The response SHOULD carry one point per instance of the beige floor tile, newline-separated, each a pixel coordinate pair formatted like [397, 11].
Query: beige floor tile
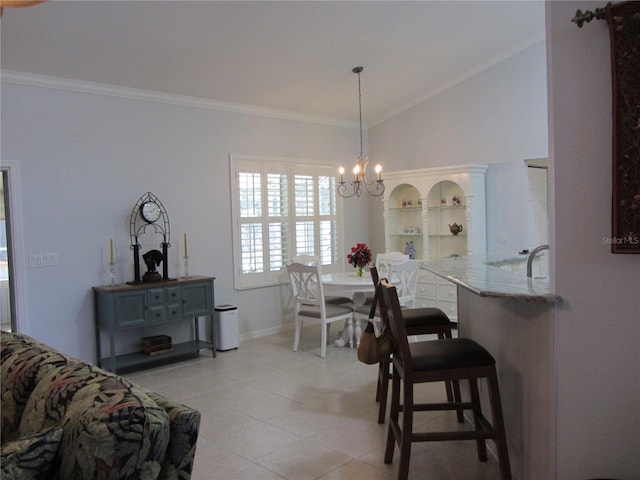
[269, 413]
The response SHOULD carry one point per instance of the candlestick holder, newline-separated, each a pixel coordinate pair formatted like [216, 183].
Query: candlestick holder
[186, 267]
[112, 273]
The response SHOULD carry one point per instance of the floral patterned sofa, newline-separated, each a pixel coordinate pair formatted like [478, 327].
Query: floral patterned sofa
[65, 419]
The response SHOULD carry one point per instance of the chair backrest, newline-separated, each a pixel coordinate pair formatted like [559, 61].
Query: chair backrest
[405, 278]
[306, 286]
[391, 315]
[307, 260]
[383, 260]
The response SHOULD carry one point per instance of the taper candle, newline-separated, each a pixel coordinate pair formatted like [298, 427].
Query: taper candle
[110, 250]
[185, 246]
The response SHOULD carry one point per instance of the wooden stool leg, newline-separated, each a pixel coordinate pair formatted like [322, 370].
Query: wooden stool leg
[477, 413]
[498, 424]
[407, 430]
[384, 389]
[458, 398]
[379, 385]
[393, 435]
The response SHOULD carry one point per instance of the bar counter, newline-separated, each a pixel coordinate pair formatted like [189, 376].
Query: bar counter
[480, 276]
[513, 317]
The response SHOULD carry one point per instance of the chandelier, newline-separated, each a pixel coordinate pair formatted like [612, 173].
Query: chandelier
[17, 3]
[360, 169]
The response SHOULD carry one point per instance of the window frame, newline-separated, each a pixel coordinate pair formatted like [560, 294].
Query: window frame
[289, 167]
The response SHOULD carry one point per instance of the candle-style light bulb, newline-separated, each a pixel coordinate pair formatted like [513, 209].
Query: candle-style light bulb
[378, 170]
[341, 170]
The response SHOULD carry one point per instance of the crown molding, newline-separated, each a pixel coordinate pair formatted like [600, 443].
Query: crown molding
[93, 88]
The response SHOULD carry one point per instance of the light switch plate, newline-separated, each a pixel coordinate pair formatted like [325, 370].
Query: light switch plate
[36, 260]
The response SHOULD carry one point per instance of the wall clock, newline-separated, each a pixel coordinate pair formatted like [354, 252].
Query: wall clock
[150, 211]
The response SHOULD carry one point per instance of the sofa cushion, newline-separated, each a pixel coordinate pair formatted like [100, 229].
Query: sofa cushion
[31, 458]
[23, 363]
[112, 429]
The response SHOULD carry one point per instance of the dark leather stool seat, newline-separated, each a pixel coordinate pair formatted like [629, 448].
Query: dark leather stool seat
[449, 353]
[448, 360]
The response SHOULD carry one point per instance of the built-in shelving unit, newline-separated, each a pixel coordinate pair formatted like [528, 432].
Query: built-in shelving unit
[424, 206]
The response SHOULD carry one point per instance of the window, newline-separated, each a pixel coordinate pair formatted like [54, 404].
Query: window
[281, 208]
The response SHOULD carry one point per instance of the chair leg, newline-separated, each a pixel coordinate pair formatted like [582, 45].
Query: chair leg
[296, 334]
[498, 425]
[407, 430]
[481, 444]
[394, 426]
[458, 398]
[379, 385]
[325, 335]
[383, 384]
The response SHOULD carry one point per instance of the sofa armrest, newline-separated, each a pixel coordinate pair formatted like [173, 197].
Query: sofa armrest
[184, 423]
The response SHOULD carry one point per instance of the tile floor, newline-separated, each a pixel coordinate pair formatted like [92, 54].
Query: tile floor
[269, 413]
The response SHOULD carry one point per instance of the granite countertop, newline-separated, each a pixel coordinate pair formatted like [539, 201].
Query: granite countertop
[475, 274]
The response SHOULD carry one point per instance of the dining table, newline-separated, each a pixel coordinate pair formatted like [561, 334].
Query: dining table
[355, 286]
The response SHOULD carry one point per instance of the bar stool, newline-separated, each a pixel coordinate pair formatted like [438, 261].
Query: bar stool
[451, 359]
[418, 321]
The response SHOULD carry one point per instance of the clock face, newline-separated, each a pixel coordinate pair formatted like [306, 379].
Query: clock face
[150, 211]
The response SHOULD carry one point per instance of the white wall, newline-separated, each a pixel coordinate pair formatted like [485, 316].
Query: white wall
[81, 161]
[498, 117]
[598, 324]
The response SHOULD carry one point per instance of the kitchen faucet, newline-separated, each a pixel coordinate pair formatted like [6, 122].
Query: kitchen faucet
[533, 253]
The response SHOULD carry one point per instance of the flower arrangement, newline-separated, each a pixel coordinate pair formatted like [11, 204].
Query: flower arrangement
[360, 256]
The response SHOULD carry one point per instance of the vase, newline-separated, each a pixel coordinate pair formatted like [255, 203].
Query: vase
[360, 271]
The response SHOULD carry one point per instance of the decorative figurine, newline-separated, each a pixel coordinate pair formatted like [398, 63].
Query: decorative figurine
[410, 250]
[153, 259]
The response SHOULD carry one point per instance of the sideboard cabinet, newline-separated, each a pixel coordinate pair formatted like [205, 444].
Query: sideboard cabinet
[125, 306]
[440, 212]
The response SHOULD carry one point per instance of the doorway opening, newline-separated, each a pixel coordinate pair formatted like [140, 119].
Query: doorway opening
[7, 294]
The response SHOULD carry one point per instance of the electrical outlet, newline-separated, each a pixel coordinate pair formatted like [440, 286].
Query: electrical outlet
[36, 261]
[50, 259]
[503, 237]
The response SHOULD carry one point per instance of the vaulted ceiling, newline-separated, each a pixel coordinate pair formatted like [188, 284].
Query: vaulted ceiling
[293, 56]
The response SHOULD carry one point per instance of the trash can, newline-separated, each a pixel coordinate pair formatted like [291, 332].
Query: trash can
[226, 327]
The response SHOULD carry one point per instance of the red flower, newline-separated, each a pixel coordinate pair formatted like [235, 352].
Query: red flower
[360, 255]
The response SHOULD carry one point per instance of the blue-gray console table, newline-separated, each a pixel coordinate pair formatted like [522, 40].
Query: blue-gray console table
[130, 306]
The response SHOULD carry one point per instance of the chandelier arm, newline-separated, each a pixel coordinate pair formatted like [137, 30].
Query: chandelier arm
[342, 188]
[380, 188]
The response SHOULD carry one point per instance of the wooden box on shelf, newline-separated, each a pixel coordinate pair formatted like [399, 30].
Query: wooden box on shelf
[156, 344]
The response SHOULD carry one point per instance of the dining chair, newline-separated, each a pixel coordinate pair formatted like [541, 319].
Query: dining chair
[404, 274]
[418, 321]
[383, 260]
[310, 304]
[315, 260]
[451, 359]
